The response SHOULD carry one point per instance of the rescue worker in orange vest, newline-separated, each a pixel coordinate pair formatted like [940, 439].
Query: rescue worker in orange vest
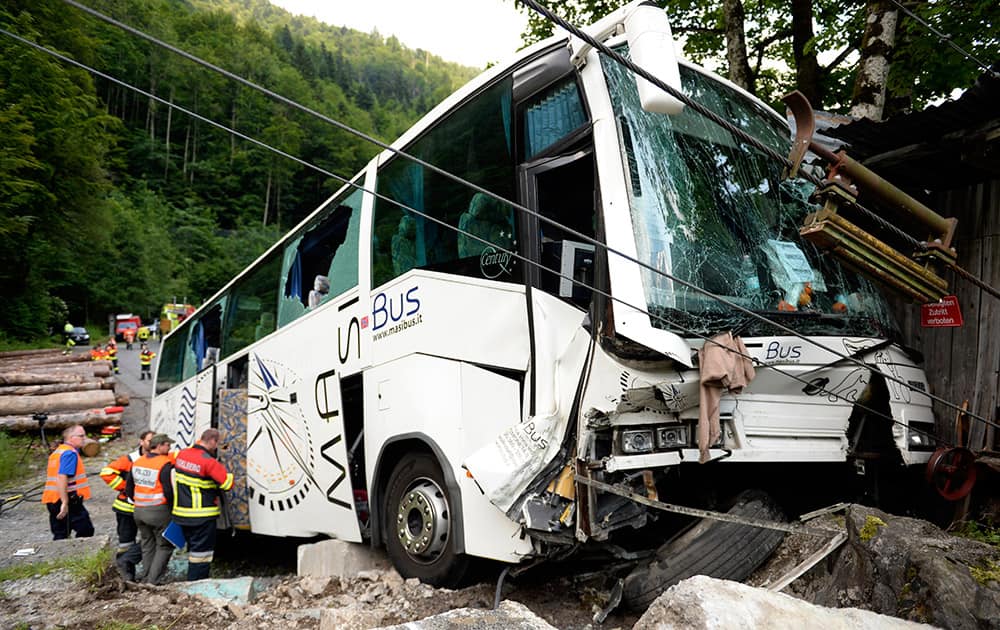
[66, 487]
[145, 362]
[116, 474]
[199, 480]
[129, 336]
[97, 353]
[152, 494]
[113, 354]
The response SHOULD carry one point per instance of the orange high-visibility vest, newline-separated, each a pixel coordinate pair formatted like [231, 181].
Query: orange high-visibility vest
[146, 477]
[77, 483]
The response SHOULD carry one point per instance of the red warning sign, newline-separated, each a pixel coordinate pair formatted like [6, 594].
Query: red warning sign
[941, 314]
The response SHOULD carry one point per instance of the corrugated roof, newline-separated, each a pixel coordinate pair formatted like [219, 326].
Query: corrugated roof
[939, 148]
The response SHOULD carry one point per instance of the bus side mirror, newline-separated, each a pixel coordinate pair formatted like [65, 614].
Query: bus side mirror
[651, 47]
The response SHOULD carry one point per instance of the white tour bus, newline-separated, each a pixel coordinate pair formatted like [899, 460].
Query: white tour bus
[436, 395]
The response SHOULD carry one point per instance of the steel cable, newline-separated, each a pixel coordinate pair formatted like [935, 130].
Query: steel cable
[519, 207]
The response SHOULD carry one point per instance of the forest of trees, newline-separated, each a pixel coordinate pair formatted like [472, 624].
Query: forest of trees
[113, 202]
[866, 58]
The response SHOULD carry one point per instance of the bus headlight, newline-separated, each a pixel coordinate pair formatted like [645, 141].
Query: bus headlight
[637, 441]
[671, 437]
[920, 436]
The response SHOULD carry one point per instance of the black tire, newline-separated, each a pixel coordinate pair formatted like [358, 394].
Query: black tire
[714, 548]
[419, 524]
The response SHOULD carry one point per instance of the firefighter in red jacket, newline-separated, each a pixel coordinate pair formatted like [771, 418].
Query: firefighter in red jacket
[116, 474]
[145, 362]
[199, 480]
[113, 354]
[66, 487]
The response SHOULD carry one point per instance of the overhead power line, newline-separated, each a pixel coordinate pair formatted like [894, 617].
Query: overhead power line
[948, 40]
[756, 362]
[528, 211]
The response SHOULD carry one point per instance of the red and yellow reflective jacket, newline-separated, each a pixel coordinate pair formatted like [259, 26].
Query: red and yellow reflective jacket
[199, 479]
[116, 475]
[77, 483]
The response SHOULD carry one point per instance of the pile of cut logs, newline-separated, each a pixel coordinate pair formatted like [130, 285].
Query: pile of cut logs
[69, 389]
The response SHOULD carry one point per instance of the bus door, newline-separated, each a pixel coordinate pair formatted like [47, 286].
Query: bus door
[560, 188]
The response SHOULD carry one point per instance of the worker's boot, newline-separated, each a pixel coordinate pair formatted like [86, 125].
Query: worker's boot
[125, 562]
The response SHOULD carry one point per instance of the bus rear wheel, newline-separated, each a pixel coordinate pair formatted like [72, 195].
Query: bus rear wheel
[420, 536]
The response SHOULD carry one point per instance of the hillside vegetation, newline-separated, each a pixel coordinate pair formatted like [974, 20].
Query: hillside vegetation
[112, 202]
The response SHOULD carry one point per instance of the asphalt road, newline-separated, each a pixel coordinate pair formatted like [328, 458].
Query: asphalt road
[135, 419]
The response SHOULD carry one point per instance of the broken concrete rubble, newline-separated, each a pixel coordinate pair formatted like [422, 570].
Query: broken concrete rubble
[706, 603]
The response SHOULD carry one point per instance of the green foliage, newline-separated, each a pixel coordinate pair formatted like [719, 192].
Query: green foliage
[111, 201]
[923, 68]
[89, 569]
[10, 451]
[981, 532]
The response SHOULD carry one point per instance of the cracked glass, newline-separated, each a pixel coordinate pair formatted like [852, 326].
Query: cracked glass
[714, 212]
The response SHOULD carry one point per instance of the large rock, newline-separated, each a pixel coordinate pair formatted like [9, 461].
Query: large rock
[911, 569]
[706, 603]
[509, 615]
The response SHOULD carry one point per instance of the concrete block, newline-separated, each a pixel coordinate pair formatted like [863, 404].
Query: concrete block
[241, 590]
[510, 615]
[336, 558]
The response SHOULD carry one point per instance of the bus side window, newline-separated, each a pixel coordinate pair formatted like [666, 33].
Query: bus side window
[252, 308]
[475, 143]
[323, 262]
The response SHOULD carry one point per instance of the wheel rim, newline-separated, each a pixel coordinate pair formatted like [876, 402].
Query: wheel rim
[422, 525]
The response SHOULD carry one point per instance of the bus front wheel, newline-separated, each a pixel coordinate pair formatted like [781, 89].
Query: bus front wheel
[419, 523]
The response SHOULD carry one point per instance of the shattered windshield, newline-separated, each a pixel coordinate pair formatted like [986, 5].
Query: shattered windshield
[716, 213]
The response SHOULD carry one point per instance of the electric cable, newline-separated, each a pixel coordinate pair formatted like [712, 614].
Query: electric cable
[746, 137]
[756, 362]
[523, 209]
[492, 195]
[948, 40]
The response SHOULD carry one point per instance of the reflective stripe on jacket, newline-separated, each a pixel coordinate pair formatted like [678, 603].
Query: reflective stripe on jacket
[146, 357]
[148, 480]
[116, 475]
[198, 481]
[77, 484]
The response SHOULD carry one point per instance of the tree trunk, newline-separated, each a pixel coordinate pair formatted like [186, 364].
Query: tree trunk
[868, 100]
[166, 136]
[267, 197]
[55, 388]
[807, 73]
[736, 45]
[31, 353]
[60, 421]
[51, 403]
[45, 378]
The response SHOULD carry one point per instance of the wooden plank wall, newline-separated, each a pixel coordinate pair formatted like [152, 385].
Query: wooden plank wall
[964, 363]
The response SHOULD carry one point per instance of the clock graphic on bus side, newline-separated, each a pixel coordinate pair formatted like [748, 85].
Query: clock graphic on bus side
[280, 459]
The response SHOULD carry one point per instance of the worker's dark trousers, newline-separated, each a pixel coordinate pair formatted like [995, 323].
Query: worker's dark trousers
[77, 520]
[201, 547]
[128, 552]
